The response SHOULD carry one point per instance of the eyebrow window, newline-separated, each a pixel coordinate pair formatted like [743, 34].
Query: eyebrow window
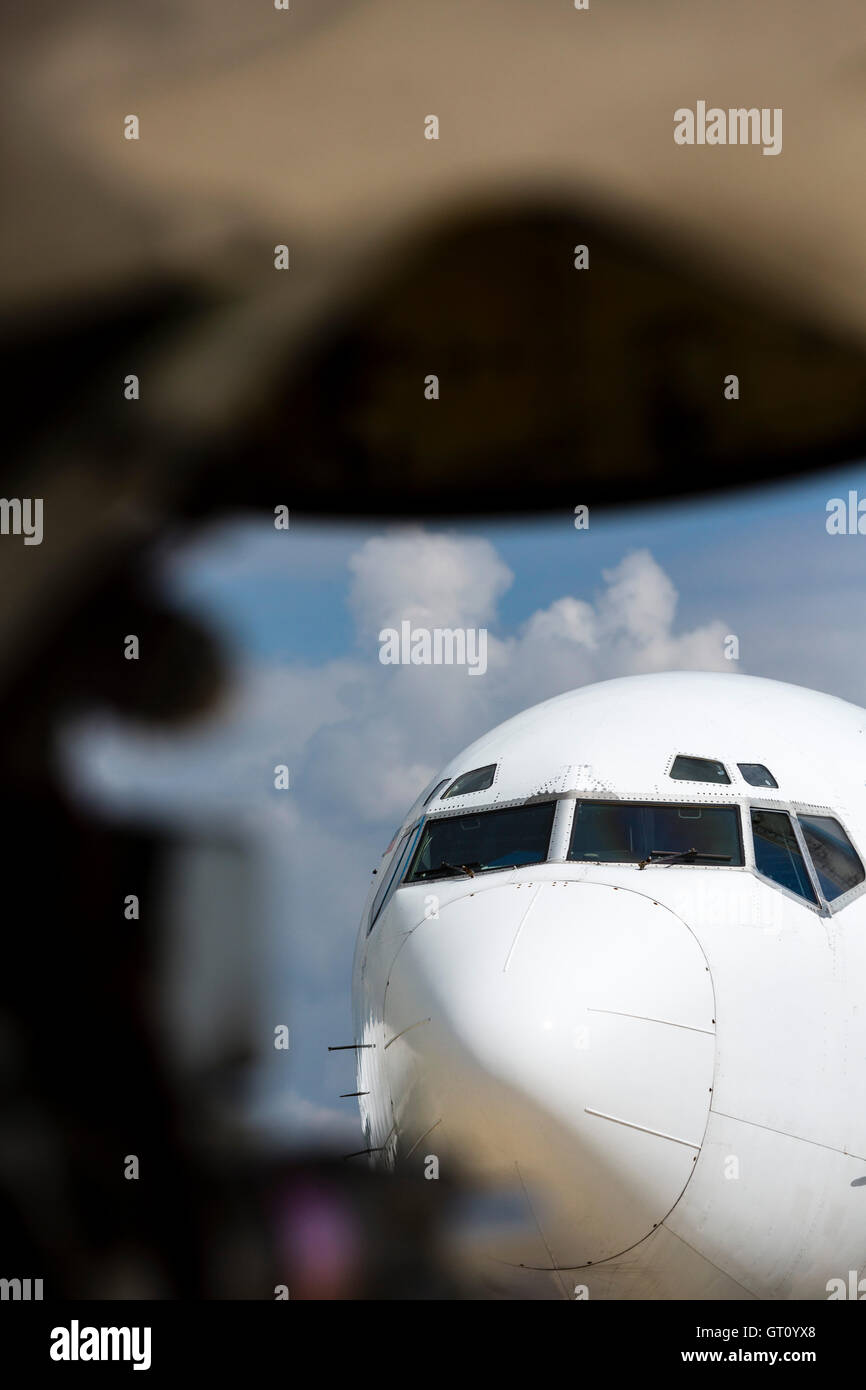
[614, 832]
[757, 775]
[478, 780]
[777, 853]
[698, 770]
[835, 859]
[435, 792]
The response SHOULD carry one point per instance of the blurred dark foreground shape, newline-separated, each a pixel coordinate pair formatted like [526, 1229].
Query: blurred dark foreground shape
[557, 387]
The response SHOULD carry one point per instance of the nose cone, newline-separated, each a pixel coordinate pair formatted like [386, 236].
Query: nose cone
[561, 1035]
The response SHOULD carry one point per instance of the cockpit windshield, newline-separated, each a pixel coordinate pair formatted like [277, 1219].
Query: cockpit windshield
[458, 846]
[616, 832]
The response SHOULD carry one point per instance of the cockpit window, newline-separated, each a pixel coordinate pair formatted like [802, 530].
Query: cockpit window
[698, 770]
[834, 857]
[777, 853]
[435, 792]
[478, 780]
[392, 874]
[757, 775]
[616, 832]
[474, 844]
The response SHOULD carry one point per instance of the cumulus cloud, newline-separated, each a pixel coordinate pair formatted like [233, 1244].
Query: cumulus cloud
[431, 580]
[640, 599]
[626, 629]
[360, 737]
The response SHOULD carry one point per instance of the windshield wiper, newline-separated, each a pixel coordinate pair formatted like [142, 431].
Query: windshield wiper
[673, 856]
[444, 868]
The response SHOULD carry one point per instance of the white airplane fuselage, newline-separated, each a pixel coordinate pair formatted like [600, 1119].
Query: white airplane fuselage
[657, 1051]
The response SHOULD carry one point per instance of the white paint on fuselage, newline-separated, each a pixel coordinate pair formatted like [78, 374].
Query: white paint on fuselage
[617, 1042]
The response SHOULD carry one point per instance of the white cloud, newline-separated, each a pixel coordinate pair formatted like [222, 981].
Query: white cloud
[431, 580]
[640, 599]
[567, 620]
[361, 739]
[626, 630]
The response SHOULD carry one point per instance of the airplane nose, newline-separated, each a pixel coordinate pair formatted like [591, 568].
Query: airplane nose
[562, 1032]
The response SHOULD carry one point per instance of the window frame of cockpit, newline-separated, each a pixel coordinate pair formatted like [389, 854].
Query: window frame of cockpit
[447, 813]
[404, 848]
[819, 906]
[411, 833]
[834, 904]
[794, 809]
[563, 818]
[745, 803]
[707, 801]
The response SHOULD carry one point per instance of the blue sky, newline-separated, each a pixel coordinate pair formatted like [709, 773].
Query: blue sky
[299, 612]
[735, 551]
